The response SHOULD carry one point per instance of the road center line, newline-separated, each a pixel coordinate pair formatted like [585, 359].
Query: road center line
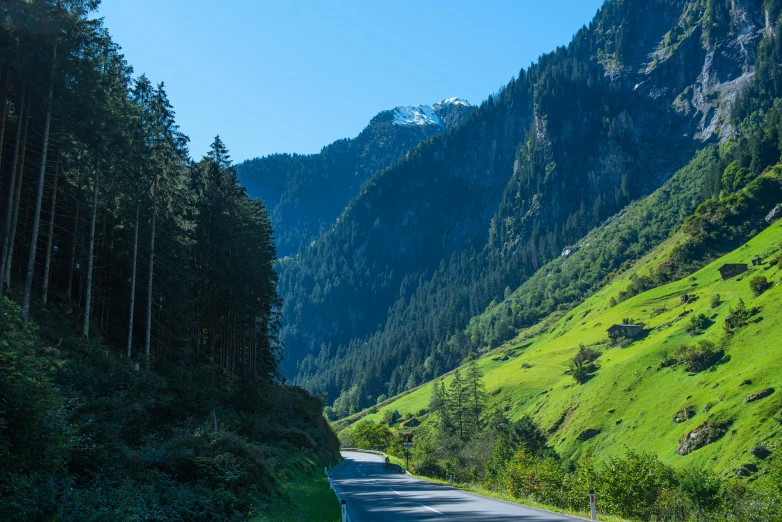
[398, 493]
[433, 510]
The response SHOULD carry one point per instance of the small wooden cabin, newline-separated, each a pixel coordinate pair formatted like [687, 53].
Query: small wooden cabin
[730, 270]
[625, 330]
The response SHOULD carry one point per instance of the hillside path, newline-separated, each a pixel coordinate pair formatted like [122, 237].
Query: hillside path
[374, 494]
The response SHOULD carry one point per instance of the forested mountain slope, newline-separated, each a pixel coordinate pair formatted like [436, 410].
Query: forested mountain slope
[138, 327]
[376, 305]
[693, 399]
[306, 193]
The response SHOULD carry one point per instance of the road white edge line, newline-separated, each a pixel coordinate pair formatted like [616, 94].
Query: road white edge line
[433, 510]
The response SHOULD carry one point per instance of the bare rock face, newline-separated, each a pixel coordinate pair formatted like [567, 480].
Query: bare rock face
[685, 414]
[706, 433]
[760, 394]
[775, 214]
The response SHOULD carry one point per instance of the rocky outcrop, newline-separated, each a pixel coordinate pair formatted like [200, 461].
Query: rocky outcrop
[685, 414]
[708, 432]
[775, 214]
[760, 394]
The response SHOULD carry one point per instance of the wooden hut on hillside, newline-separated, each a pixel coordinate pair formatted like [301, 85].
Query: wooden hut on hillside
[730, 270]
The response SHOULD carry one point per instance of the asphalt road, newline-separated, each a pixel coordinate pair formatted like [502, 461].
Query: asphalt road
[376, 495]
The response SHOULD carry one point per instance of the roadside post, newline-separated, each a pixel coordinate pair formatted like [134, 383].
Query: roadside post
[331, 484]
[592, 504]
[344, 507]
[451, 480]
[407, 443]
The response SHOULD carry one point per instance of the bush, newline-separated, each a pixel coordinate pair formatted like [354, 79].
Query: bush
[739, 316]
[715, 300]
[528, 476]
[698, 323]
[700, 489]
[35, 437]
[372, 436]
[631, 485]
[390, 417]
[583, 365]
[759, 284]
[698, 358]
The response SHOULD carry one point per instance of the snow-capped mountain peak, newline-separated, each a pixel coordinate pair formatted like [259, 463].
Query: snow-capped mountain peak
[451, 101]
[426, 114]
[416, 115]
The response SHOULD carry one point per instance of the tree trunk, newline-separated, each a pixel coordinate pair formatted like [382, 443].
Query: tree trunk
[17, 200]
[4, 115]
[73, 250]
[9, 212]
[85, 331]
[50, 243]
[28, 285]
[148, 338]
[133, 282]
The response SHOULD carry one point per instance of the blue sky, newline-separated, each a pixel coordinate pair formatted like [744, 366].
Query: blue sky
[294, 76]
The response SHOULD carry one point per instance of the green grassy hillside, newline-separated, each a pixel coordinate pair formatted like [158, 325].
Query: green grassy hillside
[632, 399]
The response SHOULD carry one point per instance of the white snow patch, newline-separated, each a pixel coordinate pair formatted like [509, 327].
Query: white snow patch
[416, 115]
[451, 101]
[425, 114]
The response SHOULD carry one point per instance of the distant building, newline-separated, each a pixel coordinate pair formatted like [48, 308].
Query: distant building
[625, 330]
[732, 270]
[756, 261]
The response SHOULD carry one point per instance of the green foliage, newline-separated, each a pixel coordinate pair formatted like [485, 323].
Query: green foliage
[373, 436]
[739, 316]
[540, 479]
[390, 417]
[721, 225]
[700, 489]
[631, 485]
[86, 437]
[35, 436]
[716, 300]
[759, 284]
[698, 323]
[584, 365]
[697, 358]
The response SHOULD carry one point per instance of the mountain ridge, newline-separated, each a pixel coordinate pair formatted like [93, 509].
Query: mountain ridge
[561, 148]
[306, 192]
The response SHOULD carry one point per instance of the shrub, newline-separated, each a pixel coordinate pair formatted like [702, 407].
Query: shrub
[700, 489]
[390, 417]
[528, 476]
[372, 436]
[759, 284]
[698, 323]
[583, 365]
[697, 358]
[631, 485]
[739, 316]
[715, 300]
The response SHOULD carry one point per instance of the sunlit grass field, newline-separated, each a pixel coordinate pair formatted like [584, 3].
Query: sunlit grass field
[630, 399]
